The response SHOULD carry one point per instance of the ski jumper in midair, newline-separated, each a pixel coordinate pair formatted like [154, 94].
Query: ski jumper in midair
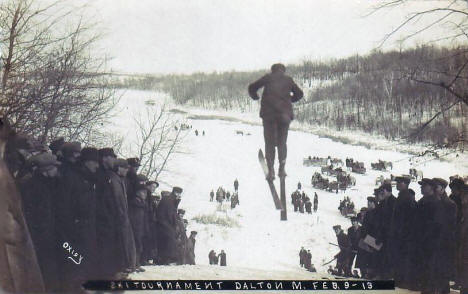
[279, 92]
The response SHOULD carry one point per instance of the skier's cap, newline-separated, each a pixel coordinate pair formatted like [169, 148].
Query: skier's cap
[89, 154]
[152, 182]
[141, 177]
[181, 211]
[457, 183]
[386, 186]
[336, 227]
[177, 190]
[403, 178]
[440, 182]
[68, 148]
[133, 162]
[55, 145]
[120, 162]
[426, 181]
[371, 199]
[107, 152]
[44, 160]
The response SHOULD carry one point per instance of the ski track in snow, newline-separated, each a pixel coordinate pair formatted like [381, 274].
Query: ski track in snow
[262, 244]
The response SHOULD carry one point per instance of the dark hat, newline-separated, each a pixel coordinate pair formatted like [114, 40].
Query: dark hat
[120, 162]
[106, 152]
[353, 219]
[440, 181]
[336, 227]
[457, 183]
[386, 186]
[152, 182]
[403, 178]
[165, 193]
[89, 154]
[371, 199]
[133, 162]
[426, 181]
[141, 177]
[193, 232]
[180, 210]
[68, 148]
[56, 144]
[278, 66]
[44, 160]
[378, 190]
[363, 209]
[177, 190]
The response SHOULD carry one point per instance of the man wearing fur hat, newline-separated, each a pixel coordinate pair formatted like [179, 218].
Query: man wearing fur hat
[39, 194]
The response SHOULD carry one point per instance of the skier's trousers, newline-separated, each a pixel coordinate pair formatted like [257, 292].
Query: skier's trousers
[276, 134]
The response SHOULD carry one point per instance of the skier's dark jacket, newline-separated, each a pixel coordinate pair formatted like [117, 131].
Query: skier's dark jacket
[276, 101]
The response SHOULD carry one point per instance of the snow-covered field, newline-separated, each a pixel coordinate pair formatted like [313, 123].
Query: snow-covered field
[261, 243]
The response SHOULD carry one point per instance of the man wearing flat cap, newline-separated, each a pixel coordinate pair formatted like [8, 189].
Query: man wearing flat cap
[448, 244]
[354, 234]
[366, 261]
[405, 207]
[342, 258]
[137, 210]
[428, 230]
[132, 180]
[167, 222]
[39, 194]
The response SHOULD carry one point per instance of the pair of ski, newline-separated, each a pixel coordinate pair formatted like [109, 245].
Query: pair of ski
[279, 204]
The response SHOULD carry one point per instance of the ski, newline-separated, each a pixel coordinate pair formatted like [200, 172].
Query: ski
[274, 194]
[284, 215]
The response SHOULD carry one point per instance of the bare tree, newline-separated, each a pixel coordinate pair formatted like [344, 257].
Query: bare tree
[158, 139]
[452, 74]
[51, 81]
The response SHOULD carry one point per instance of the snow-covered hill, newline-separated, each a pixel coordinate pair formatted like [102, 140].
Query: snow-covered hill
[259, 242]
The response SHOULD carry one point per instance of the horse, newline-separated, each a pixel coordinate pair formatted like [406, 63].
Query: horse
[19, 269]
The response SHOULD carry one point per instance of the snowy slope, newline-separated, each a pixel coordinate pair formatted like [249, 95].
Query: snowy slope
[261, 243]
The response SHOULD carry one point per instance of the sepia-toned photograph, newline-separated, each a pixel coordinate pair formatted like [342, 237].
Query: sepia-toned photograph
[234, 146]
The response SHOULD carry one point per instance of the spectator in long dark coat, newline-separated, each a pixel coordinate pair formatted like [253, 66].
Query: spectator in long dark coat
[446, 254]
[181, 237]
[126, 242]
[276, 112]
[343, 256]
[222, 258]
[150, 236]
[457, 187]
[236, 185]
[385, 231]
[136, 213]
[211, 195]
[212, 256]
[429, 223]
[403, 219]
[308, 260]
[315, 202]
[462, 253]
[39, 194]
[301, 205]
[308, 206]
[366, 259]
[106, 225]
[354, 234]
[79, 188]
[302, 253]
[131, 179]
[167, 217]
[190, 248]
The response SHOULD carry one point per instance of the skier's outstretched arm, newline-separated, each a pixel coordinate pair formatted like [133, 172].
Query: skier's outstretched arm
[297, 93]
[255, 86]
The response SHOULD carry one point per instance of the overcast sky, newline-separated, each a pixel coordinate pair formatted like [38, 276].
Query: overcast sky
[184, 36]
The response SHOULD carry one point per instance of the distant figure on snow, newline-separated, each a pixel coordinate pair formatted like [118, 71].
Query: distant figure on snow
[236, 185]
[222, 258]
[276, 113]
